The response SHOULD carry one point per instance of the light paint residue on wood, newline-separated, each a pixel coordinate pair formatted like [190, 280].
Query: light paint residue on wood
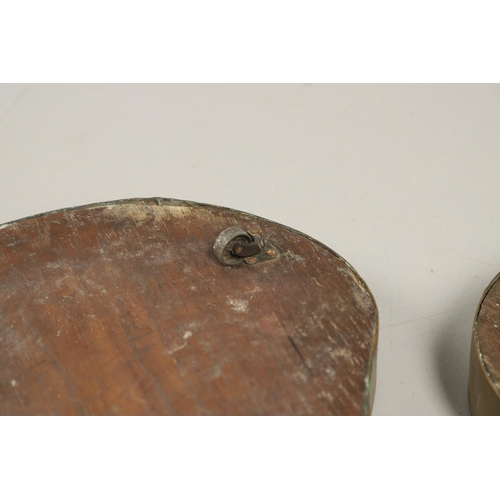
[238, 305]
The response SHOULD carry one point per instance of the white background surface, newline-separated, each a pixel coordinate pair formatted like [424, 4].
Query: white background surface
[401, 180]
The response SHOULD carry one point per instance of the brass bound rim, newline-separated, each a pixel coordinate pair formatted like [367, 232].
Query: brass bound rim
[484, 390]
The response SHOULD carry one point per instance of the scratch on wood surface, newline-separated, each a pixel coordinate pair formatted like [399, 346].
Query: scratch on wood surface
[294, 345]
[176, 348]
[341, 352]
[294, 257]
[359, 291]
[178, 212]
[326, 395]
[139, 214]
[318, 283]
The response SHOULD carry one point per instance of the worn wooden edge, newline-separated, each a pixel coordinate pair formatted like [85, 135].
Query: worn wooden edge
[370, 379]
[483, 393]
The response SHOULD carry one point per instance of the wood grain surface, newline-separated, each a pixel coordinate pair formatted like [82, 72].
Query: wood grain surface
[123, 309]
[484, 374]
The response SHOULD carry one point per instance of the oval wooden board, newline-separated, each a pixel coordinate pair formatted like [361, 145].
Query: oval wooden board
[122, 308]
[484, 373]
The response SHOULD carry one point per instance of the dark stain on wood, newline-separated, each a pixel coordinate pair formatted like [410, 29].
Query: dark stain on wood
[122, 308]
[484, 373]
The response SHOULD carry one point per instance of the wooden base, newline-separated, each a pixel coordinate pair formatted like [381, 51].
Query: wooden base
[122, 308]
[484, 373]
